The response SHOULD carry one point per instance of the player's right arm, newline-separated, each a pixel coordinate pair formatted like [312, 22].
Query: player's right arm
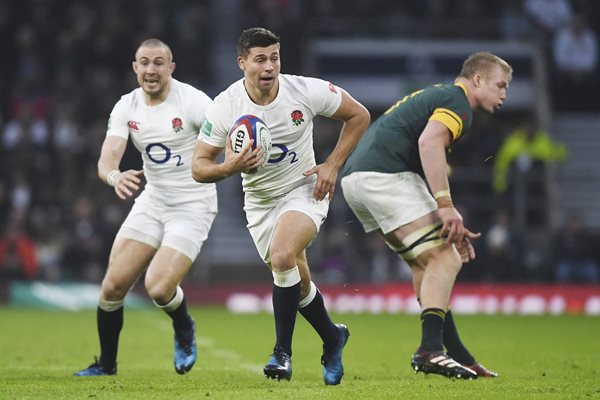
[125, 183]
[434, 140]
[206, 169]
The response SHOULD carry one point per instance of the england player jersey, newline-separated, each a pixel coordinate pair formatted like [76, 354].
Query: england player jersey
[165, 135]
[289, 119]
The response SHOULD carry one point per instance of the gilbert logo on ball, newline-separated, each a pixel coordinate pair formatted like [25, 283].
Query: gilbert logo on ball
[246, 128]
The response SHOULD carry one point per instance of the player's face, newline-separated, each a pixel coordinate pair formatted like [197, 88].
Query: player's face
[261, 68]
[153, 68]
[491, 91]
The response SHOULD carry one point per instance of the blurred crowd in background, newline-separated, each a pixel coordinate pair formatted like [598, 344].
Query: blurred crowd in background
[65, 64]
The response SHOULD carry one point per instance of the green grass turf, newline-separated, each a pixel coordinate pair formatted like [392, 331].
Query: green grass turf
[538, 357]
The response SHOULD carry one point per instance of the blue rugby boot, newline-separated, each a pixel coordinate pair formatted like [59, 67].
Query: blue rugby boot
[279, 366]
[96, 370]
[333, 370]
[185, 350]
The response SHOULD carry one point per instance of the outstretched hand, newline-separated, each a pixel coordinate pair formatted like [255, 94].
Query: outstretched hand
[326, 178]
[465, 248]
[128, 182]
[453, 226]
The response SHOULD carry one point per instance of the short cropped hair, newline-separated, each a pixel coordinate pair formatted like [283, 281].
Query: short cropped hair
[153, 43]
[255, 37]
[483, 63]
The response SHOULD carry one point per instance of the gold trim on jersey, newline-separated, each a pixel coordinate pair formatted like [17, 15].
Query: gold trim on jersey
[450, 119]
[463, 87]
[413, 94]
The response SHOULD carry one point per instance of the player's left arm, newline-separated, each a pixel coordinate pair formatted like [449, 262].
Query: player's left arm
[356, 119]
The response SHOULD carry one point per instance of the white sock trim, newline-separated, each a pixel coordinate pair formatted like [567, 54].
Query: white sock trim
[309, 297]
[287, 278]
[174, 303]
[110, 306]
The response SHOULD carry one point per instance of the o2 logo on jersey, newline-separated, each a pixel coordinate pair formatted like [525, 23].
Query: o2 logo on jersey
[153, 153]
[284, 153]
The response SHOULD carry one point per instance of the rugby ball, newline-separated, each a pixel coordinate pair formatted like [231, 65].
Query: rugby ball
[246, 128]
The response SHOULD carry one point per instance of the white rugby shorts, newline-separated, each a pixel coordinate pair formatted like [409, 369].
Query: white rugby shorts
[181, 225]
[262, 218]
[387, 201]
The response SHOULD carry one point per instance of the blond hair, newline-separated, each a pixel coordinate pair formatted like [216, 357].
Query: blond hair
[484, 63]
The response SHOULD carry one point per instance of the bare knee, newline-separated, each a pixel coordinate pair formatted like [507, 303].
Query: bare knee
[446, 259]
[453, 259]
[113, 289]
[282, 260]
[160, 291]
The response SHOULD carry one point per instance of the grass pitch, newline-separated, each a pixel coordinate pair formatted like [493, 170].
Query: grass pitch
[541, 357]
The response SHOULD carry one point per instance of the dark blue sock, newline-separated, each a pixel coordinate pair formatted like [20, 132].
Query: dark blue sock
[285, 307]
[316, 314]
[456, 349]
[182, 321]
[109, 324]
[432, 325]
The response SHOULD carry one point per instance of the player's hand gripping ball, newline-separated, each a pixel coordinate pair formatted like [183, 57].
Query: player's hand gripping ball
[249, 127]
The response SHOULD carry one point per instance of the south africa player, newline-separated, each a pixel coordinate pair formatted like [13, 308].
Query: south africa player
[396, 183]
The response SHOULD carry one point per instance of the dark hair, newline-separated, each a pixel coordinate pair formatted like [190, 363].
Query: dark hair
[255, 37]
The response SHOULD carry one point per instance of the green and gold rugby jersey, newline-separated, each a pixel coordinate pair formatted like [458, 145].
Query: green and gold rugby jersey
[390, 144]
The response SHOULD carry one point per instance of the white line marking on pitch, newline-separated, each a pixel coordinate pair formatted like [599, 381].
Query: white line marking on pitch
[209, 345]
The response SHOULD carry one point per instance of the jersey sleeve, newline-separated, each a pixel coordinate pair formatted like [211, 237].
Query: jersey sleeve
[117, 122]
[325, 97]
[449, 118]
[451, 113]
[214, 127]
[198, 106]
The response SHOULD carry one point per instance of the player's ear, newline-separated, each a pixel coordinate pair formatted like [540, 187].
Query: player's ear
[172, 67]
[241, 63]
[134, 66]
[477, 80]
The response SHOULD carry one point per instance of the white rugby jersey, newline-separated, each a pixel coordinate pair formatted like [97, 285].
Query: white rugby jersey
[165, 135]
[289, 119]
